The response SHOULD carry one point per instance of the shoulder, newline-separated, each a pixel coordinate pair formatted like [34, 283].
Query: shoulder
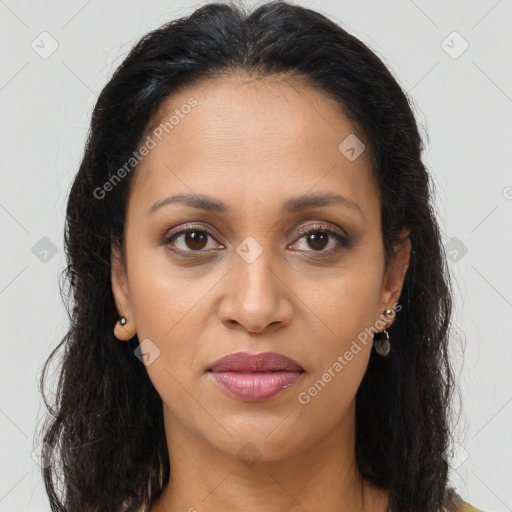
[454, 502]
[466, 507]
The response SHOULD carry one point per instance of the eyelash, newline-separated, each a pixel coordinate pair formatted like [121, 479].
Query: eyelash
[343, 241]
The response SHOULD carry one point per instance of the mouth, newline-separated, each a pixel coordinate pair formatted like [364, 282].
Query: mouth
[259, 372]
[255, 377]
[255, 386]
[264, 362]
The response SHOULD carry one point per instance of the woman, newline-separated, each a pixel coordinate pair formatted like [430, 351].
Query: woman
[261, 302]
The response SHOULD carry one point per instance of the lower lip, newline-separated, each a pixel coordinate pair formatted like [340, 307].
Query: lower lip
[255, 386]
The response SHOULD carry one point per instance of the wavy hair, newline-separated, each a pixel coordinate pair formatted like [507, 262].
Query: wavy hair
[105, 425]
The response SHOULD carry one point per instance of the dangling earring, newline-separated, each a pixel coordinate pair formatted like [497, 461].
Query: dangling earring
[122, 320]
[382, 345]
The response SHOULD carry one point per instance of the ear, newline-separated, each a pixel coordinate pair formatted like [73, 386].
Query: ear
[395, 274]
[121, 296]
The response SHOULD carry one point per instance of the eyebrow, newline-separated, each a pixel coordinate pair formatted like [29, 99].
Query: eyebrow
[291, 205]
[199, 201]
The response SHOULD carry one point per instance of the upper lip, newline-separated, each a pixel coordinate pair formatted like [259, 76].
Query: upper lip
[262, 362]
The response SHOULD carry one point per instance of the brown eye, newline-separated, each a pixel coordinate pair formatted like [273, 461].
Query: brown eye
[195, 240]
[325, 241]
[318, 240]
[190, 240]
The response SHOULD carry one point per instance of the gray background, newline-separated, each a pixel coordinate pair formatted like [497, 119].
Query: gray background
[463, 102]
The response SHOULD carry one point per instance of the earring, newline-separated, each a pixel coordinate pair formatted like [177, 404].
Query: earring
[382, 345]
[122, 320]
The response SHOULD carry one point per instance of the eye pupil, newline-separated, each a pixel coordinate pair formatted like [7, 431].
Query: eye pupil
[195, 237]
[316, 237]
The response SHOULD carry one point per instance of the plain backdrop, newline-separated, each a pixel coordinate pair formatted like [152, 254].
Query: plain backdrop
[451, 57]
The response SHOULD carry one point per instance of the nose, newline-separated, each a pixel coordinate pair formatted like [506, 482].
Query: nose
[255, 299]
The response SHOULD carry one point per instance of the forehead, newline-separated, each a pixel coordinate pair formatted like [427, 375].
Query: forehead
[239, 107]
[249, 133]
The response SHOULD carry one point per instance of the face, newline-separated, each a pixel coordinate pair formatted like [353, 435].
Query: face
[271, 262]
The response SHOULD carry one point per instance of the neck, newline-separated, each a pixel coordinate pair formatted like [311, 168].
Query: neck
[261, 477]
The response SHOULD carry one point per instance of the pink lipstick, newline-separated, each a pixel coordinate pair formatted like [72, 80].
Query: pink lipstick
[255, 377]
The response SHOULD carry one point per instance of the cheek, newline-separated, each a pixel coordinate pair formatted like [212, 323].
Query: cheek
[342, 337]
[345, 304]
[165, 298]
[173, 322]
[325, 401]
[343, 345]
[170, 318]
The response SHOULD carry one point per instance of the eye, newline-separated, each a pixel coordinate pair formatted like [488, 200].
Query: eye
[191, 240]
[318, 238]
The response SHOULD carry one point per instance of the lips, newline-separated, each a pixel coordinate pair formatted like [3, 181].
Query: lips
[255, 377]
[244, 362]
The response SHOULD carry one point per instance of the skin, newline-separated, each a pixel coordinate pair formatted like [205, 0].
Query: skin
[253, 144]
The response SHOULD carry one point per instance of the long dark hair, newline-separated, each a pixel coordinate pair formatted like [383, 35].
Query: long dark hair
[105, 427]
